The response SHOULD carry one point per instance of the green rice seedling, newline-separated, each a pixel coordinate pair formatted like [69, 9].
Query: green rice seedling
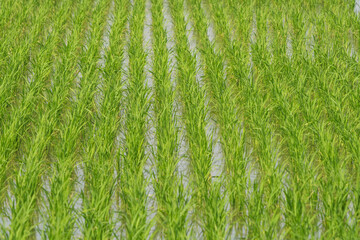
[225, 114]
[342, 94]
[344, 109]
[10, 14]
[296, 156]
[270, 168]
[235, 40]
[343, 120]
[333, 160]
[16, 124]
[12, 78]
[194, 113]
[236, 51]
[278, 81]
[133, 184]
[266, 210]
[299, 162]
[284, 109]
[233, 140]
[28, 177]
[287, 82]
[248, 75]
[24, 178]
[171, 203]
[313, 116]
[6, 15]
[61, 213]
[99, 150]
[108, 122]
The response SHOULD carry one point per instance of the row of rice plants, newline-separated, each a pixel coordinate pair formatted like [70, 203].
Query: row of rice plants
[98, 181]
[194, 118]
[170, 193]
[330, 91]
[330, 158]
[133, 183]
[341, 95]
[278, 80]
[289, 121]
[300, 192]
[263, 202]
[19, 123]
[282, 90]
[61, 198]
[271, 170]
[237, 163]
[100, 178]
[225, 111]
[31, 166]
[15, 49]
[14, 87]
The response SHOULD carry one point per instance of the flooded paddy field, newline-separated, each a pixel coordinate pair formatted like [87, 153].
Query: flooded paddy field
[179, 119]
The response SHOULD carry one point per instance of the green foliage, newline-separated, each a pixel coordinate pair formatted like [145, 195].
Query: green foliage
[89, 150]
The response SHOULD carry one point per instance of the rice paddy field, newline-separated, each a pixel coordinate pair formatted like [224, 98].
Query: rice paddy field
[179, 119]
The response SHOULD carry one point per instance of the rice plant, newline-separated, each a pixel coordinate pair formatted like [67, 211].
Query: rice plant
[106, 136]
